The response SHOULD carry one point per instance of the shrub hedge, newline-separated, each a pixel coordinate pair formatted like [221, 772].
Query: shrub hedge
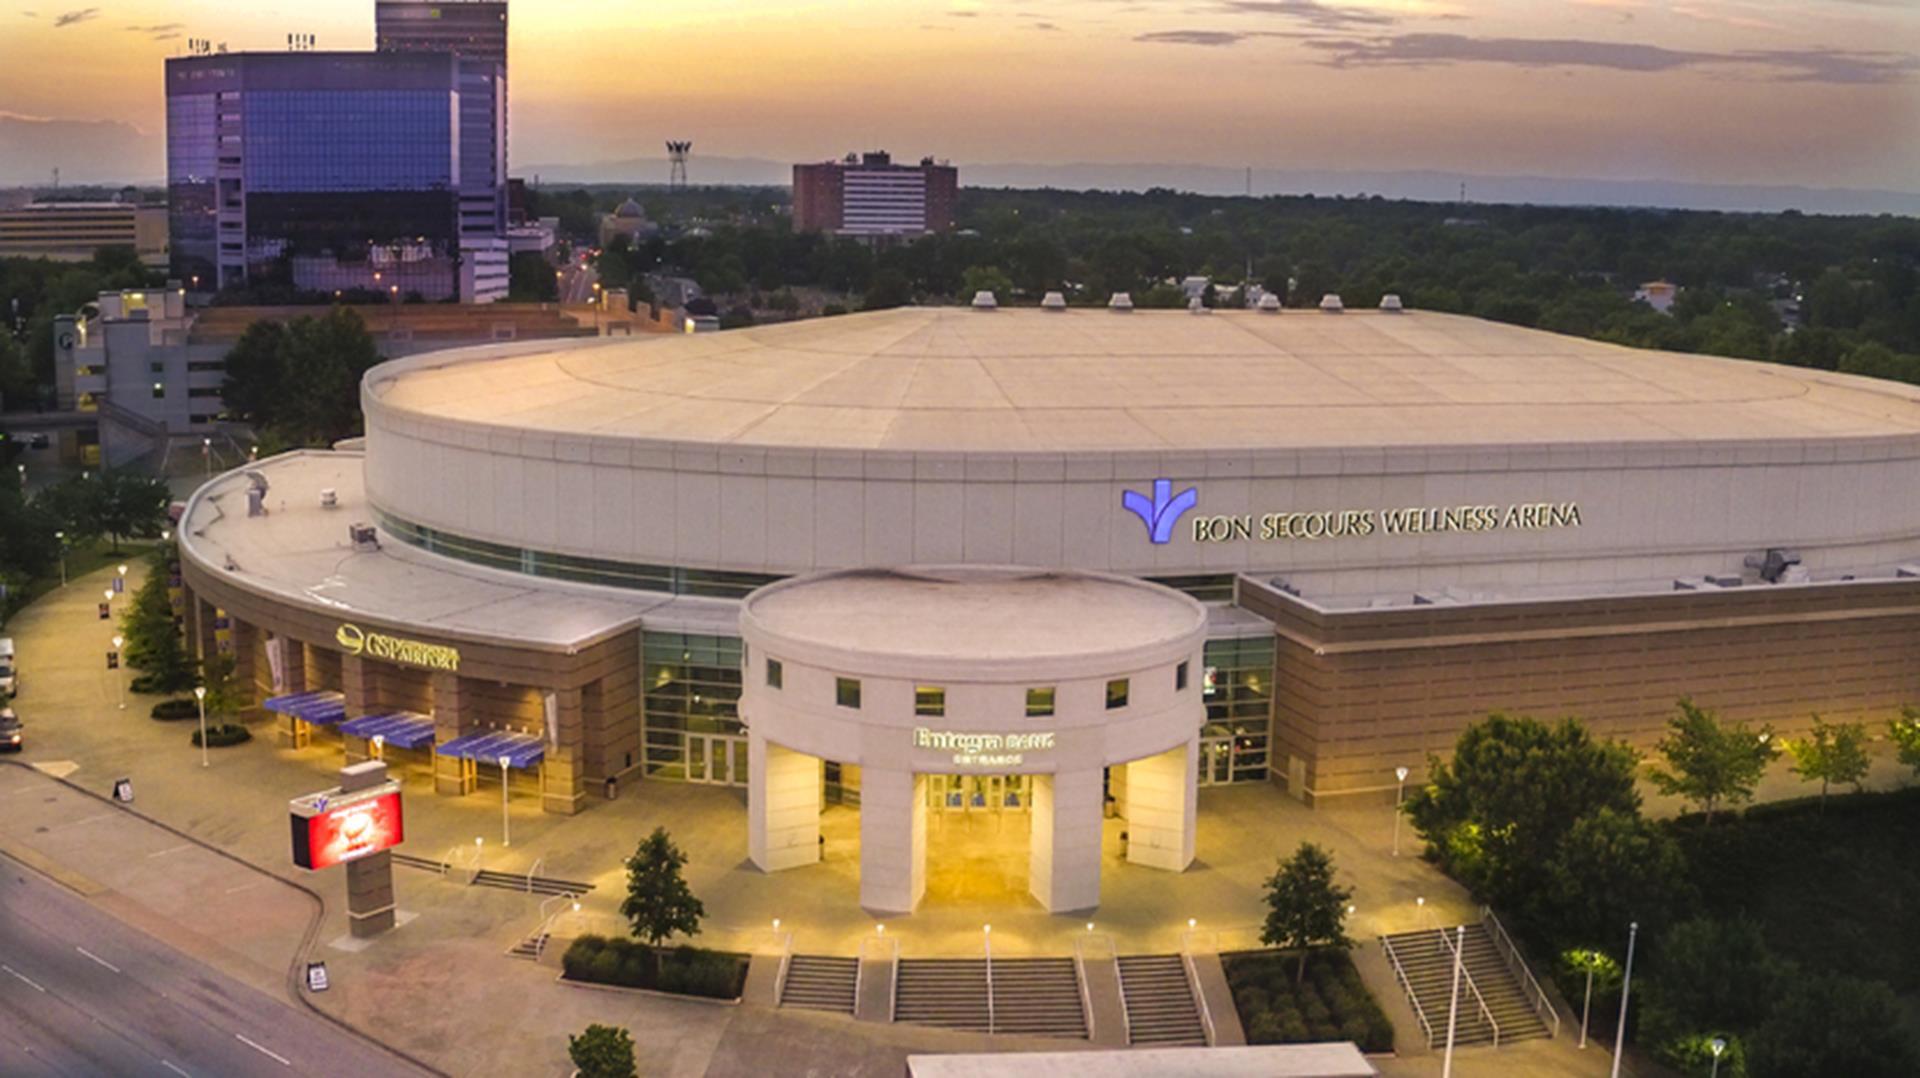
[1329, 1005]
[175, 710]
[686, 971]
[223, 735]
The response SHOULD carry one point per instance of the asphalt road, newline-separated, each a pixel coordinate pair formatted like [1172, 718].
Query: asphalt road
[83, 994]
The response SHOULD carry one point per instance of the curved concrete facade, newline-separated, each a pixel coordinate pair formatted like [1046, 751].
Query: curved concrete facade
[940, 664]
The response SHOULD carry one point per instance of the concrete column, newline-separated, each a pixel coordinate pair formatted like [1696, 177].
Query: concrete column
[359, 749]
[1064, 856]
[893, 840]
[370, 903]
[204, 645]
[294, 662]
[563, 778]
[783, 806]
[451, 701]
[357, 678]
[1163, 800]
[247, 661]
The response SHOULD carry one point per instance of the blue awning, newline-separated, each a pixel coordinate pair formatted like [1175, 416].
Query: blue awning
[521, 750]
[401, 729]
[320, 708]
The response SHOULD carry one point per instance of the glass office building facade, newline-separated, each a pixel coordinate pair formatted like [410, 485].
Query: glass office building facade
[318, 171]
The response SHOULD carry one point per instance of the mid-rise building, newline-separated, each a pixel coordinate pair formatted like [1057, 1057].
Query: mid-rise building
[870, 196]
[73, 231]
[327, 171]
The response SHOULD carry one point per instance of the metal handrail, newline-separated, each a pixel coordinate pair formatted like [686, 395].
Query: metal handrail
[1406, 983]
[1126, 1020]
[987, 942]
[538, 864]
[1080, 974]
[1503, 943]
[1200, 997]
[786, 961]
[1467, 975]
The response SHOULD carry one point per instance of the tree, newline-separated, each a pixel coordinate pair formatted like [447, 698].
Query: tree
[1905, 732]
[890, 288]
[225, 694]
[1711, 762]
[1710, 974]
[256, 374]
[128, 506]
[979, 279]
[1496, 814]
[153, 643]
[1830, 753]
[1610, 868]
[1831, 1024]
[602, 1052]
[1305, 907]
[658, 902]
[531, 279]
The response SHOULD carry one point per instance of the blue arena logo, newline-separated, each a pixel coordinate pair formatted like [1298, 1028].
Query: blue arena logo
[1163, 511]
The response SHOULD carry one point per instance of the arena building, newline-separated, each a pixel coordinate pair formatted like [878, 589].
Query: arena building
[1058, 565]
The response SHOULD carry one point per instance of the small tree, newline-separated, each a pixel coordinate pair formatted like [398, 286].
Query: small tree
[225, 695]
[602, 1052]
[658, 902]
[1712, 762]
[1905, 732]
[1831, 753]
[153, 640]
[1305, 907]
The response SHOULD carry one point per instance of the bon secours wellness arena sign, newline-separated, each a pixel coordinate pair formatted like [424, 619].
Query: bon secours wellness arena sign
[1162, 515]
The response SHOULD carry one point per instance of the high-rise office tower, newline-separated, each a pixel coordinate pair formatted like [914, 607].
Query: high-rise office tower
[868, 195]
[475, 31]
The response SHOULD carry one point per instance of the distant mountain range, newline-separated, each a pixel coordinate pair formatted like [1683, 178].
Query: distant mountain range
[1423, 186]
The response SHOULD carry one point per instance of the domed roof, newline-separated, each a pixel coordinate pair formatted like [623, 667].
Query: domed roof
[629, 209]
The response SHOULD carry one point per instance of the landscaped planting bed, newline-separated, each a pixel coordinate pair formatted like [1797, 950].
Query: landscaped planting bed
[686, 971]
[1330, 1004]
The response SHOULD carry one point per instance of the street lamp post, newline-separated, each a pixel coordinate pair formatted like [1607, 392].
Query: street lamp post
[506, 825]
[200, 694]
[121, 682]
[61, 538]
[206, 454]
[379, 744]
[1626, 986]
[1718, 1047]
[1587, 1007]
[1399, 801]
[1453, 1001]
[23, 477]
[122, 585]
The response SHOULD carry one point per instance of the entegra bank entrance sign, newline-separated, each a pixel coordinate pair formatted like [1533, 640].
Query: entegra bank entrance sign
[357, 641]
[1162, 512]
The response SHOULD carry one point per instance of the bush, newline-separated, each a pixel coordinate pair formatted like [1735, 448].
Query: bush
[223, 735]
[175, 710]
[160, 684]
[602, 1052]
[687, 971]
[1331, 1003]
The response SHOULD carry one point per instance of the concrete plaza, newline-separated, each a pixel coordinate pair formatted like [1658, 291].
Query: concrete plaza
[442, 988]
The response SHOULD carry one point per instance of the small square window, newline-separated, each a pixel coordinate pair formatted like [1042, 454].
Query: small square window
[1180, 678]
[929, 701]
[1039, 702]
[846, 691]
[159, 391]
[774, 673]
[1117, 694]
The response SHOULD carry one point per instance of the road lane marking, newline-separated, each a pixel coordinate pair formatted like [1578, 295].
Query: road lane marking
[171, 849]
[269, 1053]
[245, 887]
[96, 958]
[83, 820]
[174, 1069]
[21, 977]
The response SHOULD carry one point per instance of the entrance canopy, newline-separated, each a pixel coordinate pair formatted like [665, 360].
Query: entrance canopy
[321, 708]
[401, 729]
[521, 750]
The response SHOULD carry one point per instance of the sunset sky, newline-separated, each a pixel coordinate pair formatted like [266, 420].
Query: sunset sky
[1817, 92]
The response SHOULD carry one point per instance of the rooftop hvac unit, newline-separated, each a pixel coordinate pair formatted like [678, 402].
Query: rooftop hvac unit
[1773, 564]
[1391, 302]
[365, 538]
[1270, 303]
[1907, 571]
[1121, 301]
[329, 498]
[1053, 301]
[984, 301]
[1196, 305]
[1331, 304]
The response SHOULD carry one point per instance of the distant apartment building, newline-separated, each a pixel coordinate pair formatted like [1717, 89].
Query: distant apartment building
[475, 31]
[335, 171]
[1658, 294]
[73, 231]
[867, 195]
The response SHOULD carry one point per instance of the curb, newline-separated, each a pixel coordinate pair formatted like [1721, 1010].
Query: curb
[654, 992]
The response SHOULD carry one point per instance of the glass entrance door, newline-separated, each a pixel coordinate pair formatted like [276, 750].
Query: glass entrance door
[716, 761]
[1216, 761]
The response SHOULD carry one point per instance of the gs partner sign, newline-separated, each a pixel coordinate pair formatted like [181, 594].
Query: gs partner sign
[357, 641]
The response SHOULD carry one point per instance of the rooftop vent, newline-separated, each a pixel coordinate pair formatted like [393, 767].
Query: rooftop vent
[984, 301]
[1196, 305]
[1391, 302]
[1053, 301]
[1773, 565]
[329, 498]
[1121, 301]
[1270, 303]
[1331, 304]
[364, 538]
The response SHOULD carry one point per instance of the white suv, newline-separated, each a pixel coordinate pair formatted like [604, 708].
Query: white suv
[9, 671]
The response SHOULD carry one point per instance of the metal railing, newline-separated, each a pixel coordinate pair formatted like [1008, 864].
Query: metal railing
[1080, 972]
[1504, 944]
[1405, 983]
[785, 939]
[1459, 955]
[1200, 997]
[987, 942]
[538, 864]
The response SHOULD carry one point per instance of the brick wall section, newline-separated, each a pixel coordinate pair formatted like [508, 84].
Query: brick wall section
[1360, 692]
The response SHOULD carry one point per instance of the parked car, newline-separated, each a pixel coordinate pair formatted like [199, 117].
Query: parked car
[9, 670]
[9, 731]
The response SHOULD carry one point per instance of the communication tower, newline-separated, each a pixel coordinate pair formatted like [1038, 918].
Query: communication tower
[677, 157]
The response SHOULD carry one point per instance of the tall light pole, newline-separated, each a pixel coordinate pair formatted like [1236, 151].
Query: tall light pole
[122, 586]
[1718, 1047]
[61, 538]
[206, 454]
[200, 694]
[1626, 987]
[506, 825]
[1399, 800]
[23, 477]
[117, 679]
[379, 743]
[1587, 1007]
[1453, 1001]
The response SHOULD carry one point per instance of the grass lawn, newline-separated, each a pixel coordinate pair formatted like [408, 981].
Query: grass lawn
[1329, 1005]
[81, 560]
[1837, 891]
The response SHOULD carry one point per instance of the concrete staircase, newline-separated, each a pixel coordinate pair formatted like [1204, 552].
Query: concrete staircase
[1425, 961]
[530, 948]
[820, 983]
[947, 992]
[1160, 1004]
[1038, 997]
